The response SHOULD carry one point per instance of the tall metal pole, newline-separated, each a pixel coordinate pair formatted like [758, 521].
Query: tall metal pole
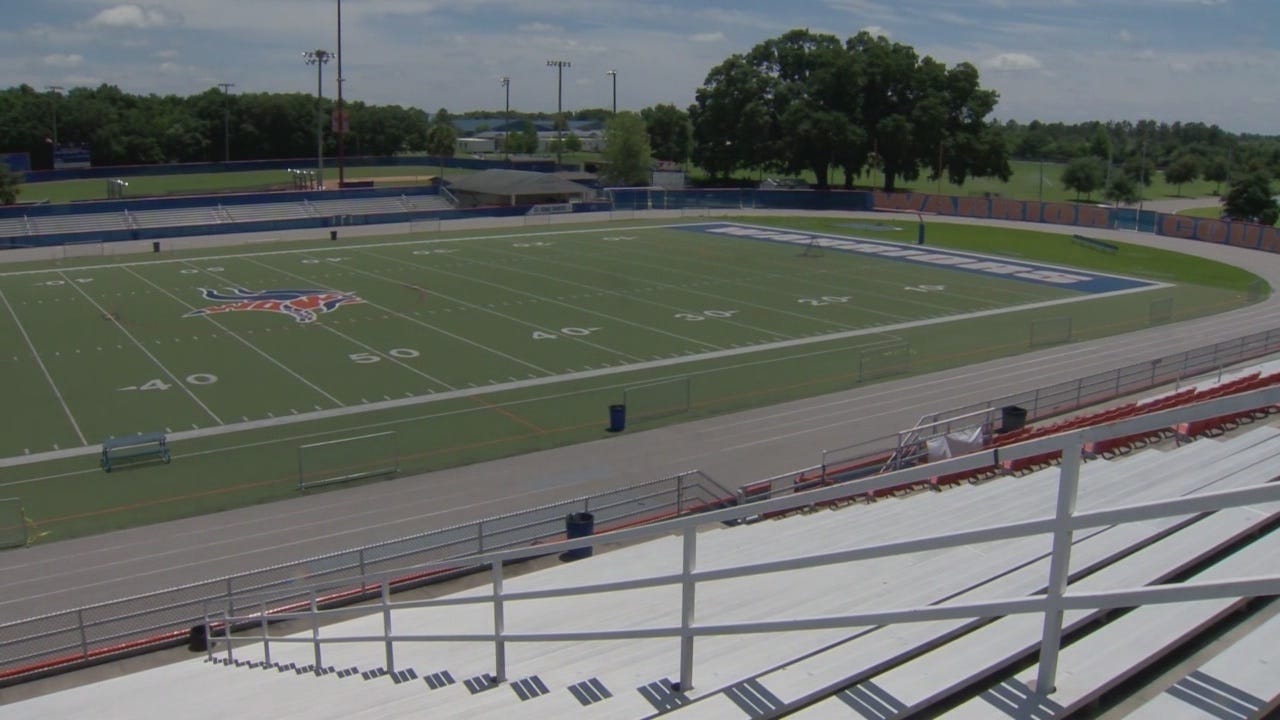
[559, 65]
[57, 92]
[614, 74]
[506, 114]
[342, 116]
[226, 121]
[319, 58]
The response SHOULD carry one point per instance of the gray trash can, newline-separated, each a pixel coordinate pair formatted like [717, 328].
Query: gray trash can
[578, 525]
[1012, 418]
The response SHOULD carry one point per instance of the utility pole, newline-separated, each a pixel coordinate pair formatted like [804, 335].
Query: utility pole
[559, 65]
[614, 74]
[57, 93]
[342, 115]
[506, 114]
[319, 58]
[226, 121]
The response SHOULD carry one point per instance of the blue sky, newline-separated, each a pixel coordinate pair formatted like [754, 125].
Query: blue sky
[1213, 61]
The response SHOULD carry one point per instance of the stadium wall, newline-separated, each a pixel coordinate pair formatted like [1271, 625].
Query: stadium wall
[125, 171]
[1223, 232]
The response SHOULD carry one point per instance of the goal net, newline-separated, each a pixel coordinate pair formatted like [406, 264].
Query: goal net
[658, 399]
[83, 248]
[13, 524]
[884, 361]
[346, 459]
[1050, 331]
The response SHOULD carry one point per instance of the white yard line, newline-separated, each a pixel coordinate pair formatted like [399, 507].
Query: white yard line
[567, 377]
[246, 343]
[576, 308]
[52, 385]
[481, 308]
[424, 324]
[144, 350]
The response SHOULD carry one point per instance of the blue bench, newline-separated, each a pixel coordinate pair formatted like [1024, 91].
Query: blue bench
[134, 447]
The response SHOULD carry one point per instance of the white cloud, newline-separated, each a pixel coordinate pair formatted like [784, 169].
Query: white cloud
[1124, 36]
[876, 30]
[708, 37]
[539, 27]
[1012, 62]
[130, 16]
[59, 60]
[168, 54]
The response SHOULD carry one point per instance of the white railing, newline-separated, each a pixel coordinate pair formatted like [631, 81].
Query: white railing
[449, 195]
[1062, 524]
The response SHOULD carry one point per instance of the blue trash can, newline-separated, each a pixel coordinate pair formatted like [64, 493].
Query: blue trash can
[617, 418]
[578, 525]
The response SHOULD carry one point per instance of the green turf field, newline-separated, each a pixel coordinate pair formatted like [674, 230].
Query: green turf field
[476, 346]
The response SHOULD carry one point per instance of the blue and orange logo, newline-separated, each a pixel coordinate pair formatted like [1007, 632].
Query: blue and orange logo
[302, 305]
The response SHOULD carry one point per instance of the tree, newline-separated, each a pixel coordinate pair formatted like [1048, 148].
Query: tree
[627, 151]
[669, 133]
[1183, 170]
[442, 138]
[10, 185]
[1122, 189]
[572, 143]
[730, 118]
[1084, 175]
[1217, 171]
[1139, 169]
[1250, 199]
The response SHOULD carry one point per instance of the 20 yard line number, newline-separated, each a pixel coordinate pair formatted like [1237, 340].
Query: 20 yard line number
[368, 358]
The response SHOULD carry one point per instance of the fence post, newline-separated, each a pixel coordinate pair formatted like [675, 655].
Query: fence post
[84, 635]
[687, 588]
[363, 585]
[499, 625]
[266, 641]
[208, 637]
[480, 536]
[680, 493]
[1059, 567]
[386, 625]
[315, 631]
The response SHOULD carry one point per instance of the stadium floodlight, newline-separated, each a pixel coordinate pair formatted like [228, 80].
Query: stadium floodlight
[614, 74]
[226, 121]
[56, 90]
[559, 65]
[319, 58]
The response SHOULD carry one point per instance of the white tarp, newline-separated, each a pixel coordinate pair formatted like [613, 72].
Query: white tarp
[955, 444]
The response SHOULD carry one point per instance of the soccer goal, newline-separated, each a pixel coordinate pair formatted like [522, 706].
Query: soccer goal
[83, 248]
[1050, 331]
[13, 524]
[1160, 311]
[658, 399]
[884, 361]
[346, 459]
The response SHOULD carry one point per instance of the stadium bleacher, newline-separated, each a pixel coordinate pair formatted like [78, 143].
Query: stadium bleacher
[876, 670]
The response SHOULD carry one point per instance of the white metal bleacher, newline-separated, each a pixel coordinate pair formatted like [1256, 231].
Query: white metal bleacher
[13, 227]
[176, 216]
[1239, 682]
[738, 675]
[92, 222]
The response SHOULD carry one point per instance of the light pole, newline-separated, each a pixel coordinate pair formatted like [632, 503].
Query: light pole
[319, 58]
[342, 115]
[559, 65]
[614, 74]
[226, 121]
[56, 90]
[506, 114]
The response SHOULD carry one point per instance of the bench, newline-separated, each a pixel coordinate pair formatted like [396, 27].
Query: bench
[133, 447]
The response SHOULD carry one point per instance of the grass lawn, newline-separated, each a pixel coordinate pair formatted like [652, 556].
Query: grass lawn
[1025, 184]
[250, 181]
[476, 346]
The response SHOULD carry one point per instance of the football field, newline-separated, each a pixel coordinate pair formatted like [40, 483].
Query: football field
[475, 346]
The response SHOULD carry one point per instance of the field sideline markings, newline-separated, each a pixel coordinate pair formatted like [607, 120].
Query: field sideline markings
[233, 334]
[39, 361]
[577, 308]
[416, 321]
[566, 377]
[116, 321]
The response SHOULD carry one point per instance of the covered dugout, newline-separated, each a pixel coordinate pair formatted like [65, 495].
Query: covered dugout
[514, 187]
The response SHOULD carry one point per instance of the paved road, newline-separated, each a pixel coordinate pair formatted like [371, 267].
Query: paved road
[732, 449]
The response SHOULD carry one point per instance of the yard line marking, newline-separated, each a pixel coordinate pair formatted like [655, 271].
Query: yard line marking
[116, 321]
[427, 325]
[54, 386]
[557, 302]
[235, 336]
